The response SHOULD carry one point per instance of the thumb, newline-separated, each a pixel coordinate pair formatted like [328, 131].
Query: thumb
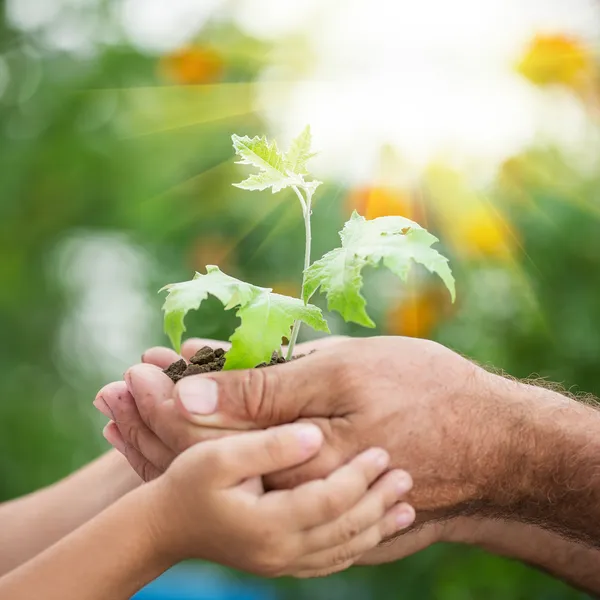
[233, 460]
[259, 398]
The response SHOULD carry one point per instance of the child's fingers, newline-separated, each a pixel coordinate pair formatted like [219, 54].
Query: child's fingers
[232, 460]
[341, 557]
[369, 511]
[324, 500]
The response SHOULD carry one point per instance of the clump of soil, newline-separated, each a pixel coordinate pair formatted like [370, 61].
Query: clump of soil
[206, 360]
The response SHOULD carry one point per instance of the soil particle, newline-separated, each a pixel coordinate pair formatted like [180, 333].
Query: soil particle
[209, 359]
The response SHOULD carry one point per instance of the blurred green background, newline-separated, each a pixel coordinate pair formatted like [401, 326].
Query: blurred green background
[481, 123]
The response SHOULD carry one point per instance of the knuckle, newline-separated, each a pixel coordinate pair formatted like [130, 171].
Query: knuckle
[147, 471]
[132, 436]
[333, 505]
[258, 392]
[348, 530]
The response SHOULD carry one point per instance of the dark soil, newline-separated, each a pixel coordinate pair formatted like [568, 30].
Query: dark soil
[207, 360]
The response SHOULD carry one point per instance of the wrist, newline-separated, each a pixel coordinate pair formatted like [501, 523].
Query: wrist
[161, 522]
[155, 525]
[544, 453]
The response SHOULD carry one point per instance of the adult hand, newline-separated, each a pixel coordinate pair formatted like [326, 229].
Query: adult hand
[473, 441]
[413, 397]
[129, 430]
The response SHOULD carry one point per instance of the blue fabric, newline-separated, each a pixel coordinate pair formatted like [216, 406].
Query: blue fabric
[189, 582]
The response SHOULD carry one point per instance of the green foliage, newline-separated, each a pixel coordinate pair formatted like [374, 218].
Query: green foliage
[277, 170]
[300, 153]
[265, 317]
[394, 240]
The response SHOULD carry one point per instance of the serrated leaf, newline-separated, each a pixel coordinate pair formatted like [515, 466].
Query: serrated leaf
[188, 295]
[299, 152]
[395, 241]
[276, 169]
[264, 155]
[265, 317]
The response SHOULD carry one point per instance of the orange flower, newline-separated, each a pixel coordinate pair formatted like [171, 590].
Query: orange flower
[379, 201]
[192, 65]
[414, 317]
[557, 59]
[481, 232]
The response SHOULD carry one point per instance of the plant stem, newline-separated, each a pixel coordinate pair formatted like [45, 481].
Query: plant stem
[306, 210]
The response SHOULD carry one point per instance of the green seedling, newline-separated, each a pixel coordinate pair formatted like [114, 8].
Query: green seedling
[265, 317]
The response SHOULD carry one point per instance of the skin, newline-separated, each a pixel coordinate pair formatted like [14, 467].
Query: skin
[211, 504]
[31, 524]
[496, 463]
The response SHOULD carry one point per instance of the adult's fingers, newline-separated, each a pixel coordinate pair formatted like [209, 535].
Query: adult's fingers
[133, 431]
[239, 458]
[197, 396]
[160, 356]
[152, 392]
[140, 464]
[265, 397]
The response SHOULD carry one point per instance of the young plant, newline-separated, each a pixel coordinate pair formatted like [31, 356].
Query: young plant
[266, 317]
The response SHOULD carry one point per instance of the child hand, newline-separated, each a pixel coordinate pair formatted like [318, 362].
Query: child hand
[211, 504]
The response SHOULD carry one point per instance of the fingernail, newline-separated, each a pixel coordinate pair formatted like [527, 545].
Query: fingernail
[198, 395]
[404, 484]
[102, 406]
[310, 436]
[404, 518]
[113, 437]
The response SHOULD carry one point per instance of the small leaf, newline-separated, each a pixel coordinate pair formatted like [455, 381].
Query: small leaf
[300, 153]
[264, 321]
[394, 240]
[264, 155]
[276, 169]
[265, 317]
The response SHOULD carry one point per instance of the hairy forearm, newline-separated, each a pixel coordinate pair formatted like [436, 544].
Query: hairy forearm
[111, 556]
[545, 462]
[34, 522]
[575, 563]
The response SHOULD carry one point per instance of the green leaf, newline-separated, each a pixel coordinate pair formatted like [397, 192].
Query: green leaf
[265, 317]
[265, 320]
[396, 241]
[265, 155]
[277, 170]
[300, 153]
